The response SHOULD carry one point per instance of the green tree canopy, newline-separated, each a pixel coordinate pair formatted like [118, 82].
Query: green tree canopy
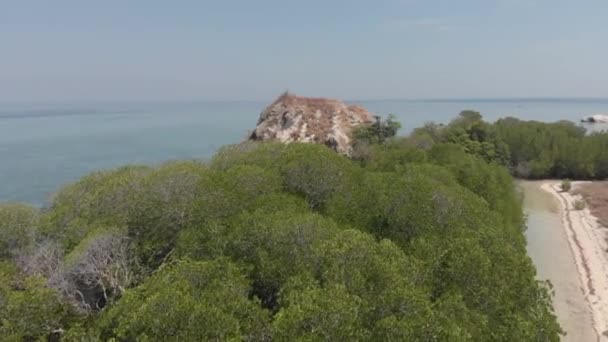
[413, 238]
[188, 301]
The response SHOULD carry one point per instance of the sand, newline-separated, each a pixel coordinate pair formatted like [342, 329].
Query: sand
[587, 241]
[548, 247]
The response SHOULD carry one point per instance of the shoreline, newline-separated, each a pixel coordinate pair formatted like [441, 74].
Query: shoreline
[587, 241]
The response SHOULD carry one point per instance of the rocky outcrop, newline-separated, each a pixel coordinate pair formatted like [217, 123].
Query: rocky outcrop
[293, 118]
[597, 118]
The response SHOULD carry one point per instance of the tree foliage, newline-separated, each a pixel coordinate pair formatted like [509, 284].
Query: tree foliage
[188, 301]
[530, 149]
[414, 238]
[379, 131]
[29, 309]
[17, 228]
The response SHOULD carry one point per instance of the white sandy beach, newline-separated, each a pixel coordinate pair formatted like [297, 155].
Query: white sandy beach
[587, 241]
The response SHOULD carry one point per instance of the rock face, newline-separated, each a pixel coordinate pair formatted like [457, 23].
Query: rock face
[315, 120]
[597, 118]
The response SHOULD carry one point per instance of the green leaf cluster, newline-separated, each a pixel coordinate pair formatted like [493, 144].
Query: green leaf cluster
[415, 238]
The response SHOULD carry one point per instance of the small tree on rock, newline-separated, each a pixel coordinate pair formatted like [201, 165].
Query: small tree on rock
[379, 131]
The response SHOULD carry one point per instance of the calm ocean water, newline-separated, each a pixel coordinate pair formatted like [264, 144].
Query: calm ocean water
[45, 146]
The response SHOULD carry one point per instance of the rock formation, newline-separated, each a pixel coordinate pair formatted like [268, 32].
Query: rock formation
[597, 118]
[316, 120]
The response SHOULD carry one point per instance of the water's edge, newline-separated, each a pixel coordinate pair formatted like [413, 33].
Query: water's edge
[549, 250]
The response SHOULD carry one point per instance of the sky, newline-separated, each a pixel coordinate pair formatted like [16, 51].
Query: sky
[153, 50]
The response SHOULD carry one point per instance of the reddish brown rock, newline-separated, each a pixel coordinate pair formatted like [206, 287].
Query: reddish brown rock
[293, 118]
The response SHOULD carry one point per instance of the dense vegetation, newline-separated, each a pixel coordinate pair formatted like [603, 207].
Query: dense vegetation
[414, 238]
[530, 149]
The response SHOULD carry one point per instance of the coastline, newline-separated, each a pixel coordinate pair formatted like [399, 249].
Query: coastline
[587, 241]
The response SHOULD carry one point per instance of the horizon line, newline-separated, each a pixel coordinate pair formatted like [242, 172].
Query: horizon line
[193, 101]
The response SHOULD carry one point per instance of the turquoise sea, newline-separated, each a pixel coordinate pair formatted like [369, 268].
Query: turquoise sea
[43, 146]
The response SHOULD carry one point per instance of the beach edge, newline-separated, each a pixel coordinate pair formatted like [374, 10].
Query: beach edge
[587, 241]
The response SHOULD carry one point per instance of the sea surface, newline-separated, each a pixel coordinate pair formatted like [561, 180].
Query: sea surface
[43, 146]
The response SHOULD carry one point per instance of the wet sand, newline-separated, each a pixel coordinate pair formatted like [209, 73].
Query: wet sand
[550, 249]
[587, 240]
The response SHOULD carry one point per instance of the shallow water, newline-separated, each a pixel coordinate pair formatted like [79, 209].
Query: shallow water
[548, 247]
[43, 146]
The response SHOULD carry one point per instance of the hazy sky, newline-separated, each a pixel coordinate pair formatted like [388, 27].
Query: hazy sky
[76, 50]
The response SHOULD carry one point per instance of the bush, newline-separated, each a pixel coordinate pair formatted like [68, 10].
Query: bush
[378, 132]
[316, 173]
[579, 205]
[566, 185]
[29, 310]
[17, 229]
[188, 301]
